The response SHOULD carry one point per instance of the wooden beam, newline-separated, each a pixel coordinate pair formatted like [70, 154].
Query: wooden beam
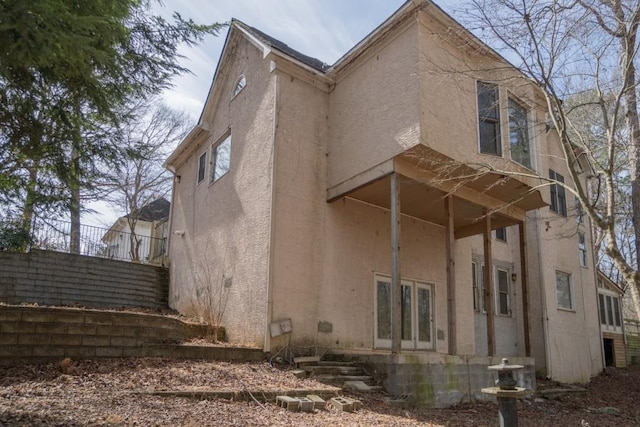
[524, 281]
[358, 181]
[478, 227]
[488, 286]
[450, 242]
[405, 168]
[396, 282]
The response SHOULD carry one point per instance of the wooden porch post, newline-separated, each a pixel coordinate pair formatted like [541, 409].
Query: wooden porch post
[396, 282]
[488, 286]
[524, 280]
[451, 273]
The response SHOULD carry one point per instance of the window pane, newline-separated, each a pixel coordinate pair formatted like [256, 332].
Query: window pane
[474, 284]
[501, 234]
[603, 313]
[616, 312]
[424, 315]
[503, 292]
[609, 311]
[563, 290]
[406, 313]
[222, 158]
[519, 134]
[384, 310]
[489, 118]
[202, 164]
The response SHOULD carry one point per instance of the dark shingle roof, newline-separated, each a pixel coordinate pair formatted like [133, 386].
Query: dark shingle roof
[314, 63]
[154, 211]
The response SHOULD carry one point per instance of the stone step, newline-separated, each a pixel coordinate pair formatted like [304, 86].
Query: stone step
[339, 380]
[315, 370]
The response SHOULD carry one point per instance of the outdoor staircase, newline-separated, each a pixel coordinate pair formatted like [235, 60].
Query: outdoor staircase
[346, 375]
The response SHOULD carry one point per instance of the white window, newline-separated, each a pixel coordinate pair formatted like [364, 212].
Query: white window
[610, 315]
[202, 164]
[240, 84]
[558, 196]
[519, 134]
[564, 290]
[489, 119]
[582, 249]
[416, 316]
[504, 302]
[220, 158]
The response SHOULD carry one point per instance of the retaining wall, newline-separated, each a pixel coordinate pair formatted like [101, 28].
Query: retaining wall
[56, 278]
[40, 335]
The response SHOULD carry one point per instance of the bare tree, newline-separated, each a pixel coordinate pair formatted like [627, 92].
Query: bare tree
[582, 54]
[139, 178]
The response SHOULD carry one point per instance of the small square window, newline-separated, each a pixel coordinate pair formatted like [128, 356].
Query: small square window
[202, 164]
[564, 291]
[501, 234]
[221, 159]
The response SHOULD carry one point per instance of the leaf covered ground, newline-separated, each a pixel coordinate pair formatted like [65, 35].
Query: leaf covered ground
[108, 393]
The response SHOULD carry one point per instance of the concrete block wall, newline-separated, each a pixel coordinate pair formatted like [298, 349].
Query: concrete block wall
[440, 380]
[41, 334]
[56, 278]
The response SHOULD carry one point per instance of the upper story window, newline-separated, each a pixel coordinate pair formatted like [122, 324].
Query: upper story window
[519, 134]
[220, 158]
[558, 196]
[240, 84]
[504, 303]
[501, 234]
[489, 119]
[610, 314]
[582, 249]
[202, 164]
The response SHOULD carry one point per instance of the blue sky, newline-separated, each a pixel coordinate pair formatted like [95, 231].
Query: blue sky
[324, 29]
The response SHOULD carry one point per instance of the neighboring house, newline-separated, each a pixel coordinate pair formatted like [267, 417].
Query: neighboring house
[611, 321]
[148, 243]
[328, 195]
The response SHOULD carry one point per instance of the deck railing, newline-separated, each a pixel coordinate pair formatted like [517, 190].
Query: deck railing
[93, 241]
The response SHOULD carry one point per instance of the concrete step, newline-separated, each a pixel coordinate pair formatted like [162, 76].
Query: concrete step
[315, 370]
[339, 380]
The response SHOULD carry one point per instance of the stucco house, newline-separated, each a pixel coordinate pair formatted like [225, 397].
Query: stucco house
[362, 202]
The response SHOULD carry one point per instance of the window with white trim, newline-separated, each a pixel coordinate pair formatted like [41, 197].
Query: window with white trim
[202, 165]
[489, 119]
[416, 317]
[240, 84]
[610, 314]
[582, 249]
[558, 196]
[519, 134]
[564, 290]
[220, 158]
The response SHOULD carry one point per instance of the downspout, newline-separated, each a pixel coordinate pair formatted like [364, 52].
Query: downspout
[170, 227]
[545, 315]
[272, 226]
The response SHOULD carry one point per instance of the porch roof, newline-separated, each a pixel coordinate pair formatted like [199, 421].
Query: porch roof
[426, 177]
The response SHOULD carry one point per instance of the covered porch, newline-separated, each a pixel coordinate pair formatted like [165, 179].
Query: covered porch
[465, 201]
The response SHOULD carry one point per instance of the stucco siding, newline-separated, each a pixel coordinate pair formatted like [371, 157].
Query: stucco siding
[220, 230]
[374, 111]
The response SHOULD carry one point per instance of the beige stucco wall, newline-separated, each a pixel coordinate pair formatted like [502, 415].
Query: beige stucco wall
[226, 223]
[374, 113]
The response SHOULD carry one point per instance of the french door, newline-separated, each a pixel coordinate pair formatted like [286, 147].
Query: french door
[416, 315]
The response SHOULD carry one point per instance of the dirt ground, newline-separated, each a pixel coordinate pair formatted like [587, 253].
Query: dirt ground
[106, 393]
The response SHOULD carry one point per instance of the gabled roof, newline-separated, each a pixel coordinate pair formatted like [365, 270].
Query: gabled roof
[273, 43]
[153, 211]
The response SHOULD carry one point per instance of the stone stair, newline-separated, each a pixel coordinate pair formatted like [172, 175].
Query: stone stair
[346, 375]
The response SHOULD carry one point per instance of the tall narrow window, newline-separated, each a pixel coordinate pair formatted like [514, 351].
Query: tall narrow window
[564, 292]
[582, 249]
[503, 293]
[474, 285]
[202, 164]
[579, 212]
[489, 119]
[221, 159]
[519, 134]
[603, 311]
[558, 196]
